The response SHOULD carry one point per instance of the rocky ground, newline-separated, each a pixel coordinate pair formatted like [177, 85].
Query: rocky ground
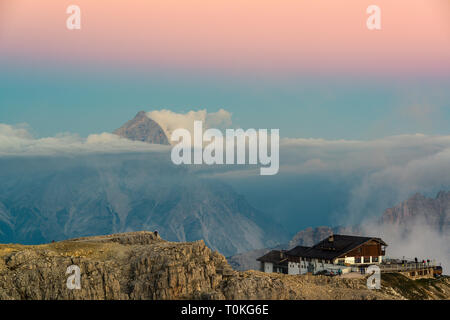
[140, 265]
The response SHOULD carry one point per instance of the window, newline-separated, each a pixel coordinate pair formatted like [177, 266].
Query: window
[366, 259]
[374, 259]
[357, 259]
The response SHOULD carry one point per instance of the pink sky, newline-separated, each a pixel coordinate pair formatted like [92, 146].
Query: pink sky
[275, 35]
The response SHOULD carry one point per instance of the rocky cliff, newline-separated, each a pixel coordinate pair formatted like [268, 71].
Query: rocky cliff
[140, 265]
[310, 236]
[433, 212]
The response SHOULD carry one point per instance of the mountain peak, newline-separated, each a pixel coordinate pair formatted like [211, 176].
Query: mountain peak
[141, 114]
[142, 128]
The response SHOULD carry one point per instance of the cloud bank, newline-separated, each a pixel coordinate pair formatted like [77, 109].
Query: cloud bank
[18, 141]
[384, 171]
[417, 240]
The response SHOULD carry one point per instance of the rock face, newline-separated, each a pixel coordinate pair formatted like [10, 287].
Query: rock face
[140, 265]
[125, 266]
[310, 236]
[142, 128]
[247, 260]
[432, 212]
[420, 209]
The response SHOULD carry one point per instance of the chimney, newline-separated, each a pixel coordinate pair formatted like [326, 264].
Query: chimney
[281, 255]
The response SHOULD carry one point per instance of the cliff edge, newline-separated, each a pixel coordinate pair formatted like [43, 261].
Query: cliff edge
[141, 265]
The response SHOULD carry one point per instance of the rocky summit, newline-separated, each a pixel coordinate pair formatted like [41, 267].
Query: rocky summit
[144, 129]
[141, 265]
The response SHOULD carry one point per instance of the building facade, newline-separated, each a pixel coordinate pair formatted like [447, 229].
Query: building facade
[335, 254]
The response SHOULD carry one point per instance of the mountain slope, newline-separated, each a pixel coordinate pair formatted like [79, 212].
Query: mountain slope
[44, 199]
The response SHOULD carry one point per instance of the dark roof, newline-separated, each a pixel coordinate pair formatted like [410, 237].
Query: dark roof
[274, 256]
[329, 250]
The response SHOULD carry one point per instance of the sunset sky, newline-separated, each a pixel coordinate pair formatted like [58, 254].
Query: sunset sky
[310, 68]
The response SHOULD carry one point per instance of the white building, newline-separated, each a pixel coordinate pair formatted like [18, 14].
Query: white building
[335, 254]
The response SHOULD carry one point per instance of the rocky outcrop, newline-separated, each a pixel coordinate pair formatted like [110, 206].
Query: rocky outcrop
[135, 265]
[142, 128]
[310, 236]
[433, 212]
[140, 265]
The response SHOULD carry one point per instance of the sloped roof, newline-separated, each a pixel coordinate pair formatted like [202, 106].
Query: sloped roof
[330, 250]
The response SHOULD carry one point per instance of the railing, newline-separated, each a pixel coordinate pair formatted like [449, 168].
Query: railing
[397, 267]
[405, 266]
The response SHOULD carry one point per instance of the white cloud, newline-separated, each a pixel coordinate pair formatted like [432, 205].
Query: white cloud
[416, 240]
[17, 140]
[19, 131]
[170, 121]
[352, 155]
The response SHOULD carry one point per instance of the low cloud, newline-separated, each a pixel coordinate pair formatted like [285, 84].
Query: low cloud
[18, 141]
[417, 239]
[18, 131]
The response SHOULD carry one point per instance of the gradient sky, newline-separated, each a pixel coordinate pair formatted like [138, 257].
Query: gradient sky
[310, 68]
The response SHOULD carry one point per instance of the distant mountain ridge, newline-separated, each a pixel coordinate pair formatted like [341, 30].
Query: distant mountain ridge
[434, 212]
[55, 198]
[45, 199]
[142, 128]
[310, 236]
